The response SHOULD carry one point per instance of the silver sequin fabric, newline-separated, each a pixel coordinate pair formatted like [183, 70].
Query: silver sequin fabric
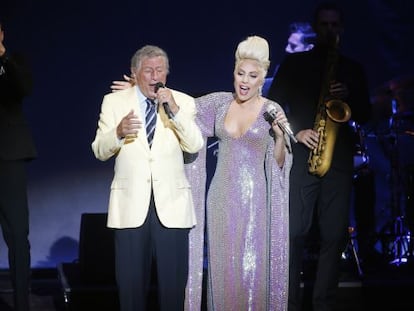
[197, 175]
[246, 214]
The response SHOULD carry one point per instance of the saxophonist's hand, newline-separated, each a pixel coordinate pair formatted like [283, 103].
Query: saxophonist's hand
[338, 90]
[308, 137]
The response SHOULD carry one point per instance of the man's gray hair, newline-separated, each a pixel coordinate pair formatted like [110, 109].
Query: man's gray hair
[148, 51]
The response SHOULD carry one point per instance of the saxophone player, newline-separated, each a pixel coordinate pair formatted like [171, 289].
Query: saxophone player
[303, 82]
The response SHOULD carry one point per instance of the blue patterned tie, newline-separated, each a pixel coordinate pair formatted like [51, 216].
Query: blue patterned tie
[150, 120]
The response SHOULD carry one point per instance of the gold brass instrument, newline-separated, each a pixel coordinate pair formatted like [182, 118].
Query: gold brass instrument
[330, 113]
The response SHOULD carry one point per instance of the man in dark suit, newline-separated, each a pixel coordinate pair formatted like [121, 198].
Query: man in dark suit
[305, 81]
[301, 38]
[17, 147]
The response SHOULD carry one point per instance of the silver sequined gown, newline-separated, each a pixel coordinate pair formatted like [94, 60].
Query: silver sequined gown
[247, 216]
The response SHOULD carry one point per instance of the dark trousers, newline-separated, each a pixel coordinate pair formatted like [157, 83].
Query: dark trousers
[135, 250]
[331, 197]
[14, 220]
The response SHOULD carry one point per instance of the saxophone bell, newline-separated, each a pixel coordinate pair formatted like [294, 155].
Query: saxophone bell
[338, 111]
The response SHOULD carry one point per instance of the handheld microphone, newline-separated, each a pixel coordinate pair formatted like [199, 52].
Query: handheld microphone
[165, 105]
[270, 116]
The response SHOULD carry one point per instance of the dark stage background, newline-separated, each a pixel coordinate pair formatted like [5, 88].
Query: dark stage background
[76, 48]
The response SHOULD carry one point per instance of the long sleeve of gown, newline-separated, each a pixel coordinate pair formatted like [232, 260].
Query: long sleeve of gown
[278, 215]
[197, 176]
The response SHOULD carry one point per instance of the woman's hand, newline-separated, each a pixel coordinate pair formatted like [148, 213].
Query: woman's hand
[279, 118]
[122, 85]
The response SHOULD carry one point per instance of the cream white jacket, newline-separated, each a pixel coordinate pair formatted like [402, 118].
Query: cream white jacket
[137, 166]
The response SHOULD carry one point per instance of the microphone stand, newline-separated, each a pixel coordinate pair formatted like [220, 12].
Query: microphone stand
[399, 247]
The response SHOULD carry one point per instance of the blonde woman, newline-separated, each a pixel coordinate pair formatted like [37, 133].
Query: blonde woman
[247, 202]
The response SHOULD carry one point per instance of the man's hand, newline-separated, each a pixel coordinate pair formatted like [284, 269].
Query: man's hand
[339, 90]
[164, 95]
[2, 47]
[309, 138]
[122, 85]
[129, 125]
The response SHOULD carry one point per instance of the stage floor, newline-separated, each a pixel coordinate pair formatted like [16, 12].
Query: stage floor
[383, 286]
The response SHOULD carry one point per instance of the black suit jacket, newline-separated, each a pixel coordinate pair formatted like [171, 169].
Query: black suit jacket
[16, 142]
[297, 87]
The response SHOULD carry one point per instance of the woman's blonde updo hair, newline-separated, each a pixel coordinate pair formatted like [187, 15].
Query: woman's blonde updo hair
[255, 48]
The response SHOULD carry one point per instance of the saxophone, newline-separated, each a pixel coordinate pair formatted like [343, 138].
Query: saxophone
[330, 113]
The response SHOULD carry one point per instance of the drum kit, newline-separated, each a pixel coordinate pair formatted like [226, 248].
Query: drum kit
[386, 147]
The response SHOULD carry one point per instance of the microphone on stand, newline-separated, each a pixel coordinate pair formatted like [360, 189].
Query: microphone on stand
[270, 116]
[165, 105]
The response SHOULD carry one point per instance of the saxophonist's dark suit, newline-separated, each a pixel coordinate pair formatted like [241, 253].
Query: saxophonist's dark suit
[297, 87]
[16, 147]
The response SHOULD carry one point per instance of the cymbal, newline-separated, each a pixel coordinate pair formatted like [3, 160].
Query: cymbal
[393, 97]
[404, 115]
[401, 83]
[391, 88]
